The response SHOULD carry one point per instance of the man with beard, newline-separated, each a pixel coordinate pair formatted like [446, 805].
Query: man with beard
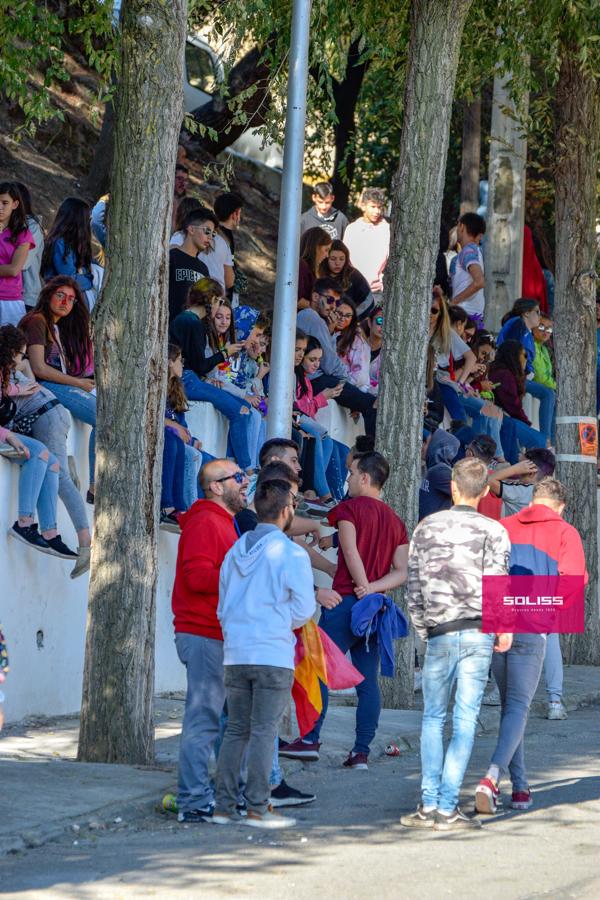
[266, 590]
[207, 533]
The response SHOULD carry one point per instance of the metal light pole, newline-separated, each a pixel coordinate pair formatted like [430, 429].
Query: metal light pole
[281, 389]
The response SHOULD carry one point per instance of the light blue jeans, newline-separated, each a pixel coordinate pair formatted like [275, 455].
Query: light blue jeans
[323, 451]
[82, 406]
[38, 484]
[462, 657]
[517, 674]
[553, 668]
[193, 463]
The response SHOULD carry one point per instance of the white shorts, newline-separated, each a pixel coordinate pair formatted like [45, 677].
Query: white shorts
[11, 311]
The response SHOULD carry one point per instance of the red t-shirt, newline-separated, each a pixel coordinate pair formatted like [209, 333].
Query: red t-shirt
[379, 531]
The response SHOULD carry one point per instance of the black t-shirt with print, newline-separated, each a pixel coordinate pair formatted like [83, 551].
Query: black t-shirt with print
[184, 271]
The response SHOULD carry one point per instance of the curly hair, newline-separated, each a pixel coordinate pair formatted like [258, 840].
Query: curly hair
[12, 340]
[74, 329]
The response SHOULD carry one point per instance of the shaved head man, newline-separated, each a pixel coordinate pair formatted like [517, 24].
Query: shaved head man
[207, 533]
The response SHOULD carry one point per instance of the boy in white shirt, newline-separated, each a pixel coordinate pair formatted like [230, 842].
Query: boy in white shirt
[466, 269]
[265, 591]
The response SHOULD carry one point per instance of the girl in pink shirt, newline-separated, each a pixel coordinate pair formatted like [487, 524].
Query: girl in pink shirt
[16, 241]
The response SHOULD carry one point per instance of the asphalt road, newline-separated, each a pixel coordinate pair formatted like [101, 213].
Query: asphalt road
[350, 844]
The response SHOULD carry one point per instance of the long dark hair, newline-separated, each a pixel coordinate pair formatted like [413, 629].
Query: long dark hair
[72, 224]
[11, 341]
[345, 276]
[301, 376]
[176, 395]
[509, 357]
[74, 329]
[26, 201]
[520, 306]
[17, 222]
[310, 240]
[347, 335]
[213, 336]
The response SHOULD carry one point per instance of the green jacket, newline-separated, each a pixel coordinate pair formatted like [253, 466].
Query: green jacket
[542, 367]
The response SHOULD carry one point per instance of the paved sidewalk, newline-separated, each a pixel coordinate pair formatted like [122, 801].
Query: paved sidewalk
[46, 792]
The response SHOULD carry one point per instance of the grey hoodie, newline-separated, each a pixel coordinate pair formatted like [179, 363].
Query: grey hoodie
[434, 493]
[265, 591]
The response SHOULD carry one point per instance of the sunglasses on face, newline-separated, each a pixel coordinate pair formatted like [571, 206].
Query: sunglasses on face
[60, 295]
[328, 298]
[209, 232]
[238, 477]
[546, 328]
[434, 311]
[379, 320]
[294, 499]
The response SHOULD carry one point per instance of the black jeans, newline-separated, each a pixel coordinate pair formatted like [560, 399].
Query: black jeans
[351, 398]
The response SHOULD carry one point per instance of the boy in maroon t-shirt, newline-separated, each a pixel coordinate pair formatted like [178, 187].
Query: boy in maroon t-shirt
[372, 558]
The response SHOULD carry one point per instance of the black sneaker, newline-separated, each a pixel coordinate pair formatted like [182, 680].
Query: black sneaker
[29, 534]
[286, 795]
[456, 821]
[196, 816]
[168, 522]
[419, 819]
[59, 548]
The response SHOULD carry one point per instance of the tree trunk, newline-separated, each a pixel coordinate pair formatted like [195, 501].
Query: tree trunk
[577, 145]
[345, 94]
[251, 71]
[417, 192]
[131, 327]
[471, 156]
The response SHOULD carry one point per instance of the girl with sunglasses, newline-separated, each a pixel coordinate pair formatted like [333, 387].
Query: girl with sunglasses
[352, 346]
[374, 332]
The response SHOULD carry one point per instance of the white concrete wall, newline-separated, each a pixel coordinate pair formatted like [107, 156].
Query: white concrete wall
[43, 612]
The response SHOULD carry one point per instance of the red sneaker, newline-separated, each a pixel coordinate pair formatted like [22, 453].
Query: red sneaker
[356, 761]
[486, 796]
[521, 800]
[299, 749]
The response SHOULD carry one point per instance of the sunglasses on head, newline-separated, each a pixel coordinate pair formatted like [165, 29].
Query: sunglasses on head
[238, 477]
[547, 328]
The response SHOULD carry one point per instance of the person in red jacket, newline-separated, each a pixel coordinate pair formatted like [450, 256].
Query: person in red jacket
[207, 533]
[542, 543]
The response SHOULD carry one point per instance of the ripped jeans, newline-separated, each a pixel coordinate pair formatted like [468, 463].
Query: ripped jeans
[38, 484]
[82, 406]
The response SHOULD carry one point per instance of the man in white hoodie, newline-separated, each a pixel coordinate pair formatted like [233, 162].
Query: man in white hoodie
[265, 591]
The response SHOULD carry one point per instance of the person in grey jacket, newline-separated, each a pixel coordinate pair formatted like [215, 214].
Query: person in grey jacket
[449, 554]
[319, 322]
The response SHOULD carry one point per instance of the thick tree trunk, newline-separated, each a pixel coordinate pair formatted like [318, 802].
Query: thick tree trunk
[577, 149]
[436, 31]
[471, 156]
[251, 71]
[345, 94]
[131, 325]
[98, 178]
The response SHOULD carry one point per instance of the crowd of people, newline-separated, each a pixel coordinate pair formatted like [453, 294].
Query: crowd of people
[248, 523]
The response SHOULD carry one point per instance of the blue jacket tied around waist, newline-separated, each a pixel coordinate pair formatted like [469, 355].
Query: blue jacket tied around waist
[378, 614]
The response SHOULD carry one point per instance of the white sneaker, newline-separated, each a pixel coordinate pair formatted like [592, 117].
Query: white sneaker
[269, 820]
[556, 710]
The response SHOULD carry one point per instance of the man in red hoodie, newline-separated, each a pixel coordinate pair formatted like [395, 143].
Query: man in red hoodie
[542, 543]
[207, 533]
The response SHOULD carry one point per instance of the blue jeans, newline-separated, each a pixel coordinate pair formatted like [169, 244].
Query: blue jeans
[484, 424]
[173, 472]
[453, 403]
[323, 451]
[230, 406]
[462, 657]
[517, 674]
[553, 668]
[82, 406]
[516, 434]
[547, 398]
[38, 484]
[192, 466]
[336, 625]
[336, 470]
[203, 660]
